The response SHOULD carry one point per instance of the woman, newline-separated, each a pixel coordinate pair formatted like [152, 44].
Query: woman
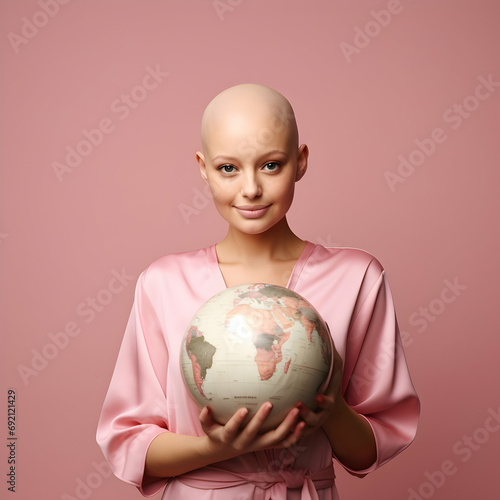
[150, 430]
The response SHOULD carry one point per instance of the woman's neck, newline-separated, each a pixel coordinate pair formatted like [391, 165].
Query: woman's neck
[277, 244]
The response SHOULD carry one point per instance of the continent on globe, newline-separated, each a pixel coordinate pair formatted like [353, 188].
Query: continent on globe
[255, 343]
[200, 353]
[270, 329]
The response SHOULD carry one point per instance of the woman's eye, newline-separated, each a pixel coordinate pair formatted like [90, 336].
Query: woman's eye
[271, 166]
[227, 169]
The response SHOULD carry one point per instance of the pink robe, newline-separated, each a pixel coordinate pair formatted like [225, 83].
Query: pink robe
[147, 396]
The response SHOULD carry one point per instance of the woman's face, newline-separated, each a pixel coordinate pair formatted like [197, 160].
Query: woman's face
[251, 164]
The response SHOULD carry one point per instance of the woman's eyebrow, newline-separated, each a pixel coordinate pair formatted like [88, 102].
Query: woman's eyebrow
[263, 155]
[223, 158]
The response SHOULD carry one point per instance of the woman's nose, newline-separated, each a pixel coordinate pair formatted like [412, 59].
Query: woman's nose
[251, 187]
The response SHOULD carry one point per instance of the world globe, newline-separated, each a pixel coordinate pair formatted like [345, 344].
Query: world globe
[255, 343]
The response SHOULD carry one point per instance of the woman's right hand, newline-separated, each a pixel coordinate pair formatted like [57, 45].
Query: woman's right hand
[231, 439]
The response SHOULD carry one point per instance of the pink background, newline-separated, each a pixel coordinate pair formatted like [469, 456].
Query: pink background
[359, 108]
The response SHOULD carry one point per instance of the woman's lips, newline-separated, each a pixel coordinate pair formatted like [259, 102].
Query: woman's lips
[250, 212]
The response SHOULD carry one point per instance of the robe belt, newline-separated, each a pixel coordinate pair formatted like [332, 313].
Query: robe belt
[276, 482]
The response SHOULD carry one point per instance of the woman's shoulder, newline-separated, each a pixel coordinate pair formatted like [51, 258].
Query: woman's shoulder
[346, 257]
[179, 262]
[346, 270]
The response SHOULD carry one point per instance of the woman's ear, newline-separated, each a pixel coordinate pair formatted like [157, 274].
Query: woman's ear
[203, 169]
[302, 157]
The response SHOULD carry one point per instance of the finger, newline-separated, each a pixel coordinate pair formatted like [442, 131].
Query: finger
[248, 434]
[311, 418]
[289, 424]
[290, 420]
[257, 421]
[293, 437]
[234, 423]
[324, 401]
[304, 410]
[208, 424]
[285, 427]
[286, 434]
[206, 417]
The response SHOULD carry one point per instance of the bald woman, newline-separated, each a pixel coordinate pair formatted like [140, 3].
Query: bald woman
[151, 431]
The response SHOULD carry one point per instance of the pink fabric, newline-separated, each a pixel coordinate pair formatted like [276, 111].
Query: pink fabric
[276, 483]
[147, 396]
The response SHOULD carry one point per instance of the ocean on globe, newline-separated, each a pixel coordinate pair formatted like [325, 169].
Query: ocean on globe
[255, 343]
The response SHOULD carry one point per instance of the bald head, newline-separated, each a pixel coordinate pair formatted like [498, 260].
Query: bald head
[248, 105]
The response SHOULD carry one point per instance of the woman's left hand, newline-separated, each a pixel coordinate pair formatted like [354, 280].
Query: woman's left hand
[328, 401]
[350, 434]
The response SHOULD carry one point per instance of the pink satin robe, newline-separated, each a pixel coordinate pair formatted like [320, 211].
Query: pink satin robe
[147, 396]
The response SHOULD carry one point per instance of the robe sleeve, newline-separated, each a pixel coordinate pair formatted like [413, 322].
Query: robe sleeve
[376, 381]
[134, 409]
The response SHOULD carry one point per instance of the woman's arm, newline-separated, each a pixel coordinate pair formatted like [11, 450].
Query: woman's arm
[350, 434]
[351, 437]
[173, 454]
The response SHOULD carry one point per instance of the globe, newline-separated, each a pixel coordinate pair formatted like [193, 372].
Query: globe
[255, 343]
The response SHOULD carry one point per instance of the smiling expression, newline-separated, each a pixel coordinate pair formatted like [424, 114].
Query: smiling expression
[251, 160]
